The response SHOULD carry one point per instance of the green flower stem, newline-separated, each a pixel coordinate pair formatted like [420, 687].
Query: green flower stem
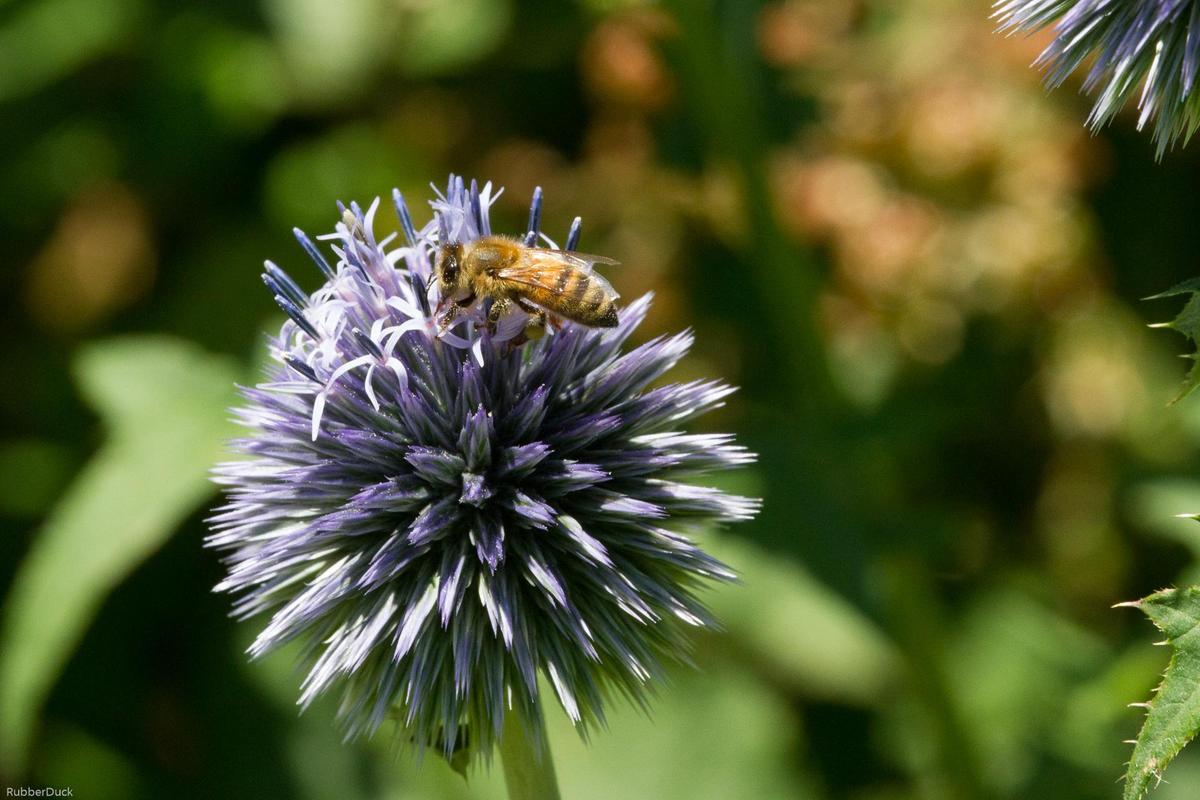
[528, 767]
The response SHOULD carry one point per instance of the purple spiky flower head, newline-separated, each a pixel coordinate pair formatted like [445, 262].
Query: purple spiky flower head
[1148, 48]
[440, 519]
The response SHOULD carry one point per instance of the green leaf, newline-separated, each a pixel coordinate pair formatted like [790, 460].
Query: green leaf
[163, 404]
[855, 663]
[1187, 323]
[1174, 713]
[1190, 285]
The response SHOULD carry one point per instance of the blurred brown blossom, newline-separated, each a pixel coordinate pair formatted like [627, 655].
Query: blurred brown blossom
[98, 260]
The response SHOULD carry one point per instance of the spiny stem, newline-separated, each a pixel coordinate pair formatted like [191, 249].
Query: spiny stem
[528, 767]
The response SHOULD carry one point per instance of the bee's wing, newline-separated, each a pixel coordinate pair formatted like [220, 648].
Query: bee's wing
[583, 261]
[543, 269]
[599, 280]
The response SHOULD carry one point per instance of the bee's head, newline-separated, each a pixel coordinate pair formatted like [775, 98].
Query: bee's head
[448, 267]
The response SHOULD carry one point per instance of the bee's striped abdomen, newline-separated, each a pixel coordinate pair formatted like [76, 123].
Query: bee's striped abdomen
[583, 300]
[564, 290]
[597, 308]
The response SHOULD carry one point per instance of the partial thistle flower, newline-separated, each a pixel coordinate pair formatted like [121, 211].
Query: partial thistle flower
[1147, 48]
[442, 516]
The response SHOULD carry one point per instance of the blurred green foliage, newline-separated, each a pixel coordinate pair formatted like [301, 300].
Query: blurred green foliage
[162, 404]
[922, 272]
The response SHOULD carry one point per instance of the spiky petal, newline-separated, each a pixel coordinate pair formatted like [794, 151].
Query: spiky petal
[1147, 48]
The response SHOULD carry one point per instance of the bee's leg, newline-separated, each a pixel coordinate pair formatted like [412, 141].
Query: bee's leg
[500, 307]
[448, 318]
[527, 307]
[456, 308]
[536, 327]
[541, 317]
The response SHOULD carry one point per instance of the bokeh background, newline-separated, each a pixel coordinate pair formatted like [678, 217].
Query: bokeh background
[922, 270]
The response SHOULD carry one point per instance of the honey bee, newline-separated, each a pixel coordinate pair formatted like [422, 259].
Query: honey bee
[534, 279]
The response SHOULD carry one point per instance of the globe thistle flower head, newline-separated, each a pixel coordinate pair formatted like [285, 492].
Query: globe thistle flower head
[442, 516]
[1148, 49]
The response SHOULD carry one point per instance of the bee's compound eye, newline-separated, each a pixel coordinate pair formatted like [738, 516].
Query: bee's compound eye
[448, 265]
